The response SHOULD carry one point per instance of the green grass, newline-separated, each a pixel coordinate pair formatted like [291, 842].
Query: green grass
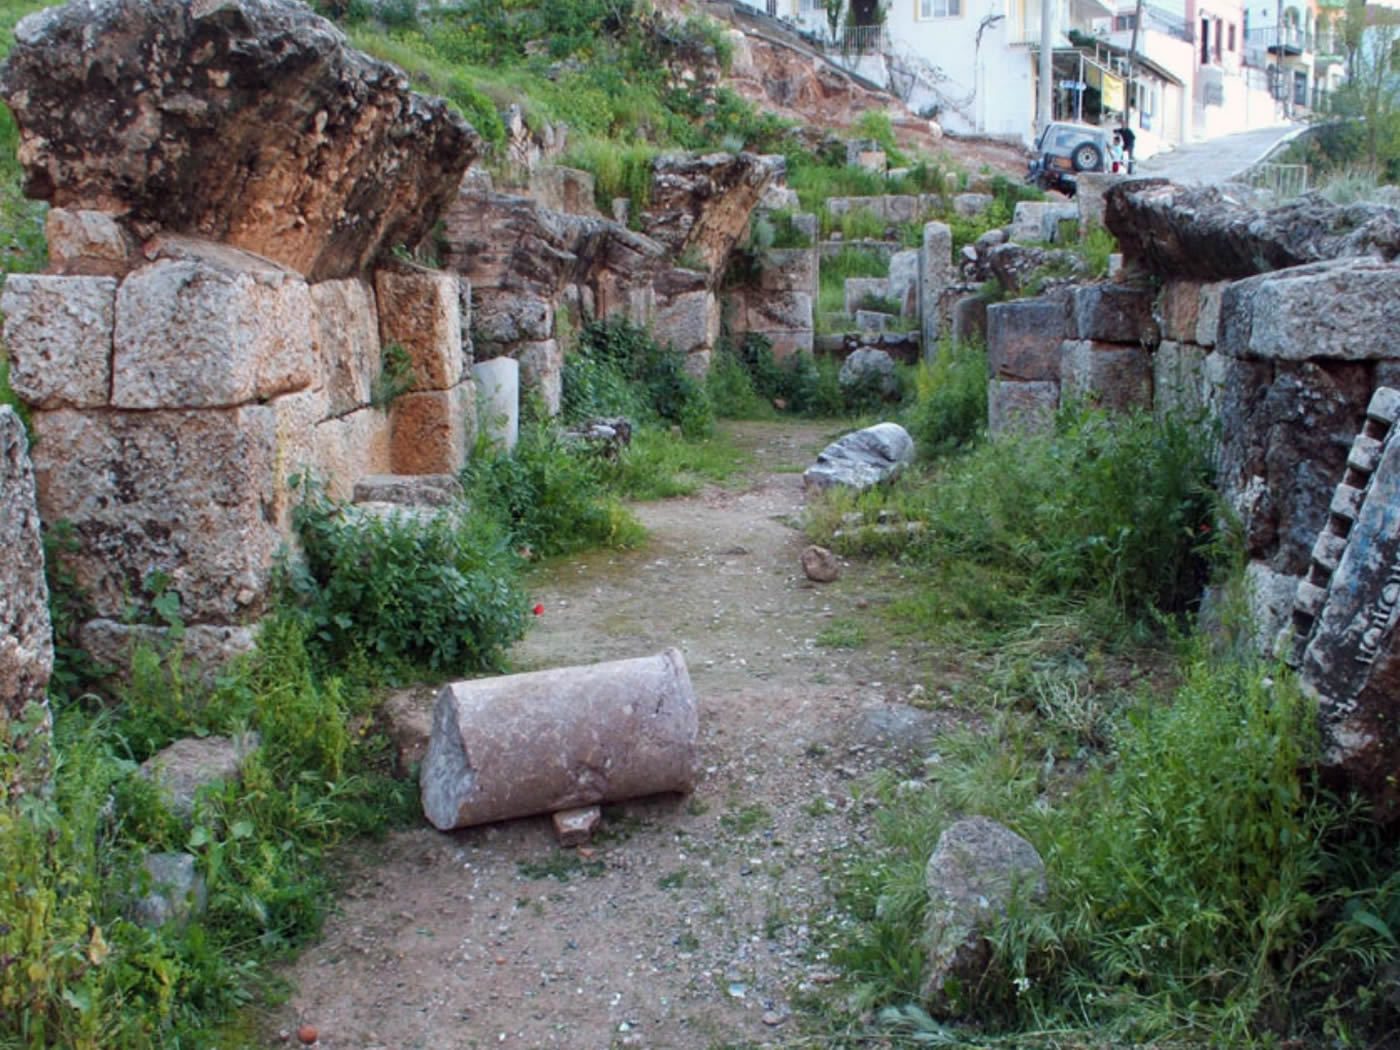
[848, 262]
[842, 634]
[662, 465]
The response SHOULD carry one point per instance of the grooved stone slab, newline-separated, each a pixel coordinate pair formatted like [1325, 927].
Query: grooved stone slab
[560, 739]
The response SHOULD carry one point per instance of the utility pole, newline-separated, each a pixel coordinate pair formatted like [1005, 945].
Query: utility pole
[1044, 111]
[1132, 52]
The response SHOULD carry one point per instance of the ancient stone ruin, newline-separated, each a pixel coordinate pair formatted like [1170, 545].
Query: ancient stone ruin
[1268, 329]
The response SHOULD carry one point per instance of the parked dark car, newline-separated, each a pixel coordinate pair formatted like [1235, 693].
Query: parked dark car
[1064, 150]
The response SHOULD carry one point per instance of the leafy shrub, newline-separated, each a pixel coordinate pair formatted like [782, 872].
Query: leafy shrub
[548, 496]
[442, 592]
[617, 353]
[950, 403]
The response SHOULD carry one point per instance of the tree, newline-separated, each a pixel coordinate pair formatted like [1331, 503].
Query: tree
[834, 12]
[1371, 96]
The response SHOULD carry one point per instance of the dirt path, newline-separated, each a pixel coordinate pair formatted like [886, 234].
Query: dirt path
[687, 924]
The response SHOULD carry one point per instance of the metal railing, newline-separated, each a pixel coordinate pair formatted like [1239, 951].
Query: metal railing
[1283, 181]
[1291, 40]
[861, 40]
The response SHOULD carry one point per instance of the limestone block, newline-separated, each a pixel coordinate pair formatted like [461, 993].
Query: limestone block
[345, 448]
[1208, 320]
[871, 320]
[193, 334]
[1284, 447]
[188, 765]
[59, 333]
[859, 289]
[939, 273]
[1089, 190]
[420, 311]
[977, 870]
[195, 495]
[689, 322]
[869, 367]
[970, 205]
[1028, 407]
[504, 318]
[574, 827]
[808, 225]
[433, 430]
[1112, 313]
[861, 459]
[901, 208]
[1179, 381]
[970, 318]
[904, 282]
[1269, 596]
[542, 372]
[345, 340]
[88, 243]
[206, 648]
[498, 400]
[697, 363]
[560, 739]
[791, 311]
[1179, 310]
[1336, 309]
[789, 270]
[779, 198]
[408, 490]
[1023, 339]
[1107, 374]
[1028, 221]
[26, 636]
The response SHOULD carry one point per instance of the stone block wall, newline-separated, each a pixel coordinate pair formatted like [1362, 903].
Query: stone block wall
[174, 401]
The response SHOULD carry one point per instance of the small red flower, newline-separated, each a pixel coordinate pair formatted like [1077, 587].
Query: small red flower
[538, 610]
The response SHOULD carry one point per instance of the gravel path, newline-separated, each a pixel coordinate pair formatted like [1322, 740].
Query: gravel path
[687, 924]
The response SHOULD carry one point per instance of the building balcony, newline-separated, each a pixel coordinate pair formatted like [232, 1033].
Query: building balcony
[861, 40]
[1279, 41]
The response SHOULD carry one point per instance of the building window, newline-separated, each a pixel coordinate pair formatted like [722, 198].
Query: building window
[1122, 22]
[939, 9]
[1232, 37]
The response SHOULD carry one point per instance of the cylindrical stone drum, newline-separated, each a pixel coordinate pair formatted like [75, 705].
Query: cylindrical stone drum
[498, 400]
[551, 740]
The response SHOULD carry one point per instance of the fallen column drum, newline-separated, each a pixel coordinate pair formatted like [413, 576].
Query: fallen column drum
[550, 740]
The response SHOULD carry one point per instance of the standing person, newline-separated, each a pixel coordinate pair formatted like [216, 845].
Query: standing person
[1115, 153]
[1129, 138]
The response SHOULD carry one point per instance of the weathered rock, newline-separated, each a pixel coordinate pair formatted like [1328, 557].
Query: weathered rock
[1332, 309]
[204, 648]
[702, 204]
[820, 565]
[871, 321]
[574, 827]
[1024, 337]
[169, 888]
[1027, 407]
[862, 458]
[1284, 450]
[193, 763]
[348, 446]
[1112, 313]
[1090, 190]
[408, 718]
[969, 205]
[1014, 265]
[345, 342]
[560, 739]
[1211, 233]
[977, 870]
[1180, 384]
[26, 636]
[1106, 374]
[198, 496]
[433, 430]
[789, 270]
[938, 273]
[248, 122]
[564, 189]
[869, 369]
[202, 334]
[419, 310]
[542, 371]
[604, 437]
[88, 243]
[904, 287]
[970, 318]
[1039, 221]
[859, 290]
[1345, 615]
[59, 333]
[1178, 310]
[780, 311]
[687, 322]
[1208, 321]
[408, 490]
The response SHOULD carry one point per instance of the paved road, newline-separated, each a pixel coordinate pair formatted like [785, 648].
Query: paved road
[1217, 160]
